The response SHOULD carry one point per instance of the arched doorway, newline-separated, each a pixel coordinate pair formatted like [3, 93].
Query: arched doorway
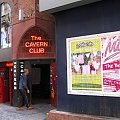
[37, 51]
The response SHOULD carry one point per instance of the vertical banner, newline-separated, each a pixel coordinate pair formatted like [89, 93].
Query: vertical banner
[15, 74]
[21, 65]
[93, 64]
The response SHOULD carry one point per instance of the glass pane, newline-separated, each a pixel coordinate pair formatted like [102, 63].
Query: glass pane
[6, 26]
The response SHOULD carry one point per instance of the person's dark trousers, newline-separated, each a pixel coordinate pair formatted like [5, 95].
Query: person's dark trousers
[24, 98]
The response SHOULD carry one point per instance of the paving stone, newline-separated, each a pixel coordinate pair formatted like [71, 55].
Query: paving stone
[37, 113]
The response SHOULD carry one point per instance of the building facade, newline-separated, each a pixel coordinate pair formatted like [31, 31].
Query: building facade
[85, 32]
[27, 41]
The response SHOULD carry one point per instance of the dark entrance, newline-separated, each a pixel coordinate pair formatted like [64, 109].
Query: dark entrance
[40, 77]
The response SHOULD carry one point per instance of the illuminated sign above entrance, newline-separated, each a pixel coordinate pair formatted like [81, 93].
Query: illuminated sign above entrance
[36, 44]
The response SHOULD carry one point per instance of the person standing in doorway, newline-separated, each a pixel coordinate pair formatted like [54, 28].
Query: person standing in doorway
[24, 90]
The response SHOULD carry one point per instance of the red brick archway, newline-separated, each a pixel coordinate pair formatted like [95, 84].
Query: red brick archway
[36, 44]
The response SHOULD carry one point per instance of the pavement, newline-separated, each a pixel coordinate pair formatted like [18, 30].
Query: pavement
[38, 112]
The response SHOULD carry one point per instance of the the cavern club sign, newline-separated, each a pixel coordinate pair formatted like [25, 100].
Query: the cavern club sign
[36, 44]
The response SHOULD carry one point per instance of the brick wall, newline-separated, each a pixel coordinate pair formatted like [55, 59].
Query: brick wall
[32, 18]
[27, 5]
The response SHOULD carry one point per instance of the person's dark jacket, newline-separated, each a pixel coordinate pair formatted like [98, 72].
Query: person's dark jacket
[23, 82]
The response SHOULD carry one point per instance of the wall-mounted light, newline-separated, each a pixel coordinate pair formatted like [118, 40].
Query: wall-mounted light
[21, 15]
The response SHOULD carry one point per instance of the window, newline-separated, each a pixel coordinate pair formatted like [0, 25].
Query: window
[6, 26]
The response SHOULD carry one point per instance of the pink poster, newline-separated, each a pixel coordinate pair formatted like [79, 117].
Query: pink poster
[111, 63]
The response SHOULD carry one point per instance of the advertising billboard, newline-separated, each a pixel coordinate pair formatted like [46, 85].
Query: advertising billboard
[93, 64]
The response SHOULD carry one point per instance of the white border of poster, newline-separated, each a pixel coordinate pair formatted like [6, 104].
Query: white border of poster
[93, 64]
